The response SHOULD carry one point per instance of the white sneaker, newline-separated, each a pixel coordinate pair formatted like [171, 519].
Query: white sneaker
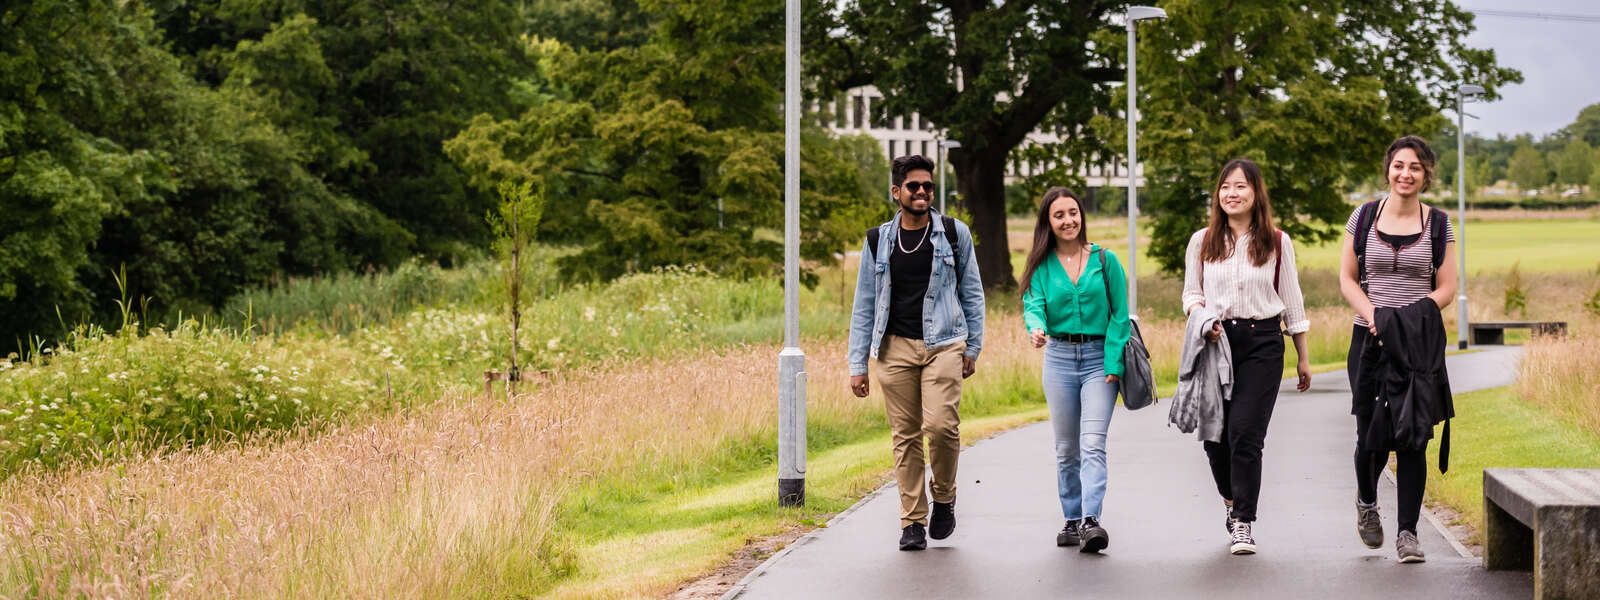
[1242, 542]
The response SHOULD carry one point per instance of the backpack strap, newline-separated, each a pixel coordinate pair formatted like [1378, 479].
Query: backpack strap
[872, 241]
[1436, 225]
[955, 249]
[1365, 219]
[1277, 261]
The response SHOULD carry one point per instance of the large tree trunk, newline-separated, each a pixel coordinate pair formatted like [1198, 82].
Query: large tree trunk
[981, 179]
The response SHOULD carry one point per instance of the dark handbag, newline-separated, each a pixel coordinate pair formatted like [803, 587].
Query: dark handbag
[1138, 383]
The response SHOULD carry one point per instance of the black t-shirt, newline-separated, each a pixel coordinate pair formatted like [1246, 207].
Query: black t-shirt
[908, 282]
[1399, 241]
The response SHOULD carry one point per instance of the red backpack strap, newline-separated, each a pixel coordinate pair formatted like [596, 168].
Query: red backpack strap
[1277, 262]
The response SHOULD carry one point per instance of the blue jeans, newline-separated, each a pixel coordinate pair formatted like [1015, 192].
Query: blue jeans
[1080, 403]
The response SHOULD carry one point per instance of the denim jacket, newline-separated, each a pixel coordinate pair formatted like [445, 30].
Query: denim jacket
[949, 315]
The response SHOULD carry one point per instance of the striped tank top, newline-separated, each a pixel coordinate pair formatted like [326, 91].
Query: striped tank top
[1398, 276]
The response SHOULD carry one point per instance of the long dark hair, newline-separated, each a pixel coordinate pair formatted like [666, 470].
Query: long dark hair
[1044, 240]
[1218, 242]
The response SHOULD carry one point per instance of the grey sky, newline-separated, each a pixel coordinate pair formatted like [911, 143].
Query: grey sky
[1559, 60]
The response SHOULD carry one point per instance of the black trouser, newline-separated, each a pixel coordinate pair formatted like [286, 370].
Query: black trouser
[1411, 468]
[1257, 348]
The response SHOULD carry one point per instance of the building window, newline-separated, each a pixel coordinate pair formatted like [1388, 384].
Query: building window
[838, 112]
[857, 106]
[925, 147]
[891, 150]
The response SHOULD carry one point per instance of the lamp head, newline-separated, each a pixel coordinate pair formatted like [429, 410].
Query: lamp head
[1142, 13]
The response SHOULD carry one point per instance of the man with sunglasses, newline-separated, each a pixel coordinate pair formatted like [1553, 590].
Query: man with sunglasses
[919, 314]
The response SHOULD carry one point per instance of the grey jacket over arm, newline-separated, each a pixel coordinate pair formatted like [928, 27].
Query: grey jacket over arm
[1205, 378]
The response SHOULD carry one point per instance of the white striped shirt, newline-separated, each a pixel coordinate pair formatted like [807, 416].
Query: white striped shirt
[1396, 277]
[1237, 289]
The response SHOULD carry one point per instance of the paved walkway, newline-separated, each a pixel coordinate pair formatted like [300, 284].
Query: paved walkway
[1162, 512]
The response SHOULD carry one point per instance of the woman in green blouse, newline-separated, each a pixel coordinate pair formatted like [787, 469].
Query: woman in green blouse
[1077, 311]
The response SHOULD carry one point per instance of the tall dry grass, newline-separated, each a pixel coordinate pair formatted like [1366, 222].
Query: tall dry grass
[455, 499]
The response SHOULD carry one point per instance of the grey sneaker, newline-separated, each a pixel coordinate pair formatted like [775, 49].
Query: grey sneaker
[1409, 549]
[1241, 541]
[1369, 525]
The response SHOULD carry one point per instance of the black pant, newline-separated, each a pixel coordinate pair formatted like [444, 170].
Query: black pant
[1411, 468]
[1257, 348]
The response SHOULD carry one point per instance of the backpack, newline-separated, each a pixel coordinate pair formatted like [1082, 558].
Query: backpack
[1368, 218]
[949, 236]
[1138, 382]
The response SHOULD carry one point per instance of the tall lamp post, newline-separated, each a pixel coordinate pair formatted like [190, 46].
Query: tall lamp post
[1461, 210]
[1135, 14]
[944, 156]
[791, 360]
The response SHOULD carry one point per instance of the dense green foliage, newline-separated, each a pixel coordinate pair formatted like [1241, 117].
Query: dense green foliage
[670, 153]
[1020, 66]
[1316, 108]
[213, 146]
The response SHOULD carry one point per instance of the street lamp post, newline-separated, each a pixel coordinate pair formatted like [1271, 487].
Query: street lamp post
[1135, 14]
[944, 158]
[791, 360]
[1461, 210]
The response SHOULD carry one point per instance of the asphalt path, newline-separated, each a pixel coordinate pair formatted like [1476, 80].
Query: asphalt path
[1164, 517]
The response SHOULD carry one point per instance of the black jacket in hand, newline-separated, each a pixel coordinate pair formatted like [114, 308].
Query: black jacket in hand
[1411, 385]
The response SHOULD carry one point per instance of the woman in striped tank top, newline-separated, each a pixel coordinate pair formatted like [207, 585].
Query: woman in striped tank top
[1399, 270]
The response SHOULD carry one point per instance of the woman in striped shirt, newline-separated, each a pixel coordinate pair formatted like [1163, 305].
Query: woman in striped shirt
[1242, 268]
[1400, 270]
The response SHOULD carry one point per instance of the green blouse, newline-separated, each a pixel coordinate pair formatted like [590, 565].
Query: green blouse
[1060, 307]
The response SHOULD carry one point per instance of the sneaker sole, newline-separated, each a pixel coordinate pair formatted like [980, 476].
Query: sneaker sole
[1060, 543]
[933, 535]
[1412, 559]
[1373, 546]
[912, 547]
[1242, 549]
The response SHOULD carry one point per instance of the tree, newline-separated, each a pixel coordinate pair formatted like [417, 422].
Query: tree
[1313, 91]
[1528, 169]
[372, 90]
[1575, 163]
[671, 152]
[987, 73]
[1587, 125]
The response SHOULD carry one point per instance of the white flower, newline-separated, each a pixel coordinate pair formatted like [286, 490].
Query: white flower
[553, 343]
[588, 313]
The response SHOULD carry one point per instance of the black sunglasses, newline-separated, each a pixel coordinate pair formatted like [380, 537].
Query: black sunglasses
[913, 186]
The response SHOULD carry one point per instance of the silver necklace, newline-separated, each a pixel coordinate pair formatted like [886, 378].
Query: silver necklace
[901, 240]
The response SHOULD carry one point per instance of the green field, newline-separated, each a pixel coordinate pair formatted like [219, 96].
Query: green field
[1496, 428]
[1492, 246]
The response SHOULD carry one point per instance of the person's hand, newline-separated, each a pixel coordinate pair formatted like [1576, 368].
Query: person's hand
[969, 365]
[1038, 337]
[1112, 379]
[1216, 331]
[859, 386]
[1303, 368]
[1372, 320]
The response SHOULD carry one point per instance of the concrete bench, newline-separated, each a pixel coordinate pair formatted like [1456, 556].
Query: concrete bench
[1494, 332]
[1547, 520]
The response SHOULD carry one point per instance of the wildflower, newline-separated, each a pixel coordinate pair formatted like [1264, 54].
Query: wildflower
[588, 313]
[553, 343]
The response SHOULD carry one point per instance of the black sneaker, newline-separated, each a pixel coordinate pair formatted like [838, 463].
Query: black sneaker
[1227, 517]
[1068, 535]
[1094, 536]
[913, 538]
[943, 522]
[1239, 540]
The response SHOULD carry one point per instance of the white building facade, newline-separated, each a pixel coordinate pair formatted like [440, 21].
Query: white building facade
[862, 113]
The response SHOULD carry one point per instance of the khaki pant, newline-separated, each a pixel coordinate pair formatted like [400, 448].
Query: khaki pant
[922, 392]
